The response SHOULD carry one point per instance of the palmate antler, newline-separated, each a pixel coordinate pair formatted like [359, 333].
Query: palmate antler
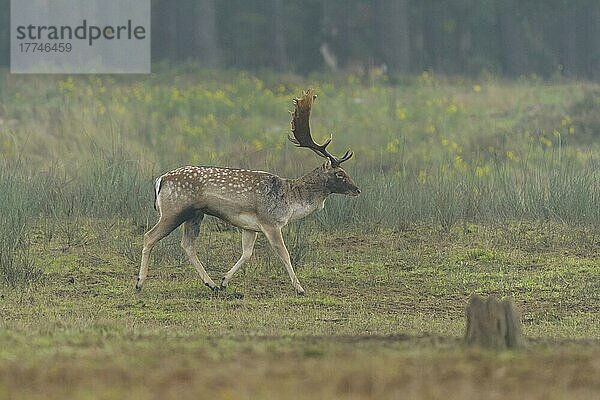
[301, 136]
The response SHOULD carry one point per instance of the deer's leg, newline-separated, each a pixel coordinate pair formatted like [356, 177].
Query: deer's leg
[191, 230]
[248, 240]
[163, 228]
[275, 239]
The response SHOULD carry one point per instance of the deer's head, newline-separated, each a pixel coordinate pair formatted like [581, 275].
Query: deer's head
[336, 179]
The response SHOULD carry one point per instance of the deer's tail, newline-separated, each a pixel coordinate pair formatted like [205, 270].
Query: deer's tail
[157, 183]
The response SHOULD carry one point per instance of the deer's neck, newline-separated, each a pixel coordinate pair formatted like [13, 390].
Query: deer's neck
[307, 194]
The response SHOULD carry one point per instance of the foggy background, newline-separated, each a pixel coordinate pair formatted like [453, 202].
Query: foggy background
[461, 37]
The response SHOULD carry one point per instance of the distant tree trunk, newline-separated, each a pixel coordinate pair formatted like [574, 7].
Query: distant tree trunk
[205, 33]
[4, 33]
[431, 18]
[281, 61]
[588, 40]
[594, 56]
[170, 21]
[511, 38]
[329, 34]
[393, 34]
[463, 40]
[157, 34]
[568, 40]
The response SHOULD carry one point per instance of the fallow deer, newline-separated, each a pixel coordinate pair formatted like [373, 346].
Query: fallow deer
[254, 201]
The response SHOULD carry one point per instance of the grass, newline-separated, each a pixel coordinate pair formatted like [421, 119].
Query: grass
[383, 317]
[433, 149]
[468, 186]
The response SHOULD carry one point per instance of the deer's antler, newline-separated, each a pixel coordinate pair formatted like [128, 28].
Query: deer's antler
[301, 136]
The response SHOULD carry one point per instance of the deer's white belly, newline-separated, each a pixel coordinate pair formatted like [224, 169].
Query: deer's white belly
[244, 221]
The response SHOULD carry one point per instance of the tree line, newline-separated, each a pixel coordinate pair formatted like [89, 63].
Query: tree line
[457, 37]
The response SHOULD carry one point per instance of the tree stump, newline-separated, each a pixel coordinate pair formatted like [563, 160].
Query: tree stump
[493, 324]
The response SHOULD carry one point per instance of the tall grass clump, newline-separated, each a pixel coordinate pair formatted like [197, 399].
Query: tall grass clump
[59, 197]
[537, 190]
[430, 150]
[16, 208]
[102, 187]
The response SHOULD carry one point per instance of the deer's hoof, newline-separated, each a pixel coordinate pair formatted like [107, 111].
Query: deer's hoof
[300, 292]
[213, 287]
[138, 286]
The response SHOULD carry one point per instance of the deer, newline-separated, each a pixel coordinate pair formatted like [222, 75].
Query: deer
[253, 201]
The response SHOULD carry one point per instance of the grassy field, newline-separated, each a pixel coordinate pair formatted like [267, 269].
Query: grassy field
[382, 318]
[468, 186]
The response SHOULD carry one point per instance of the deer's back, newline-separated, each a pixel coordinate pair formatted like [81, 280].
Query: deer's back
[241, 197]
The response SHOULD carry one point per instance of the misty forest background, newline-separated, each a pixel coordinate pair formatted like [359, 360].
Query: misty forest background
[460, 37]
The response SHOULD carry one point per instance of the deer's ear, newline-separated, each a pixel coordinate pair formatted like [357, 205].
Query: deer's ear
[327, 164]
